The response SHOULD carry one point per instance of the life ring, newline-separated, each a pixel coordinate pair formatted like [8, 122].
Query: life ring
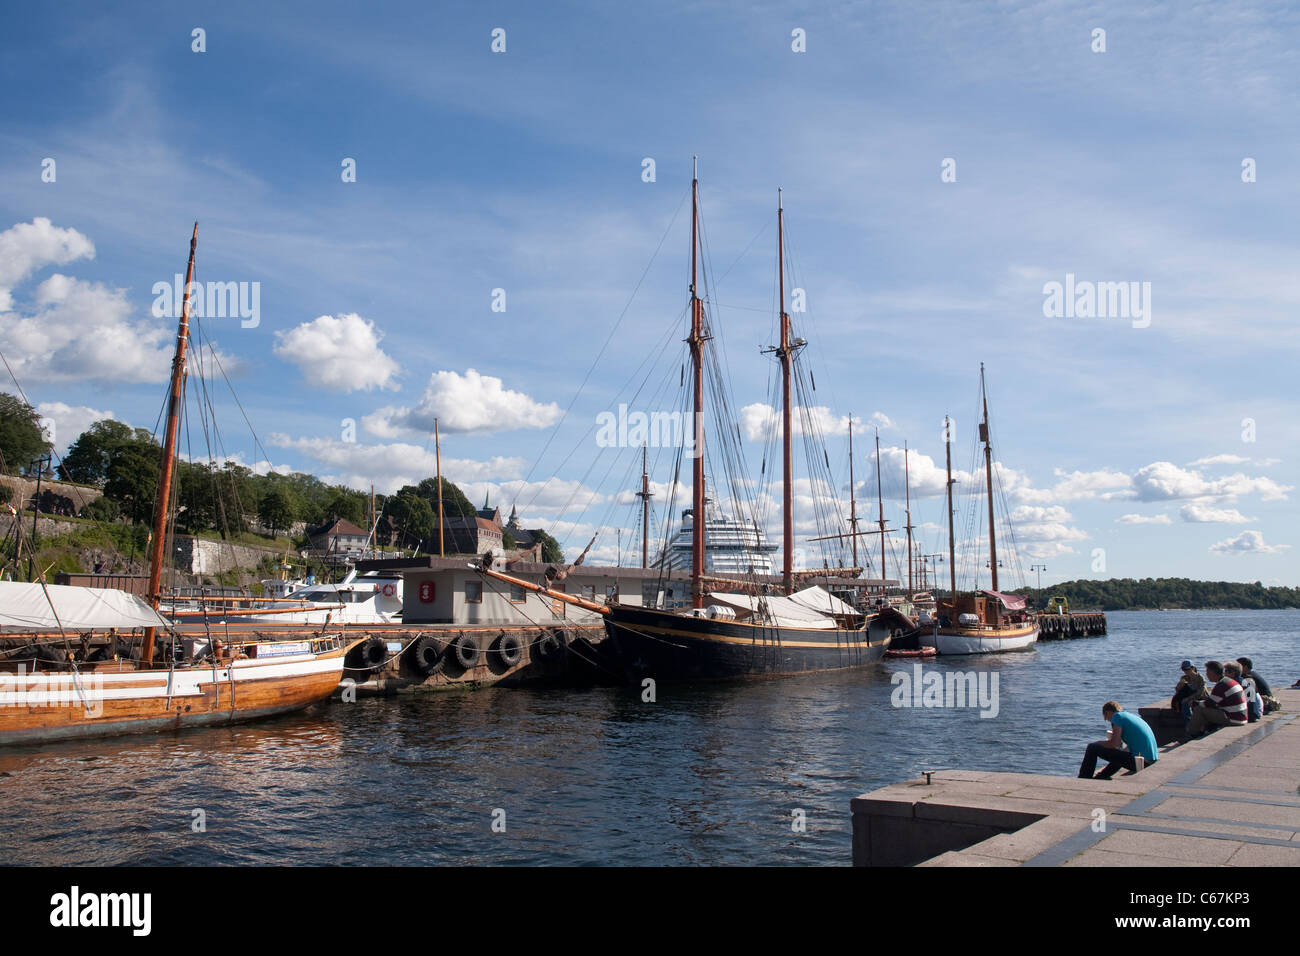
[389, 590]
[427, 655]
[466, 650]
[509, 650]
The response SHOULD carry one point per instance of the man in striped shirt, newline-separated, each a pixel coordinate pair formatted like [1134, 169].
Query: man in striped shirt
[1225, 707]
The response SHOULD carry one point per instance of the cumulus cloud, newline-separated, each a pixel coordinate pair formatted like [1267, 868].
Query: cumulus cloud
[463, 403]
[339, 352]
[1201, 511]
[1143, 519]
[390, 466]
[64, 423]
[28, 247]
[1164, 481]
[1045, 532]
[1248, 542]
[760, 420]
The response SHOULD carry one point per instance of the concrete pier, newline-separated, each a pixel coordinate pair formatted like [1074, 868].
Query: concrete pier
[1229, 799]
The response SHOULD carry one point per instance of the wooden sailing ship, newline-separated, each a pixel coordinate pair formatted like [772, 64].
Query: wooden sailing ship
[985, 621]
[728, 635]
[83, 662]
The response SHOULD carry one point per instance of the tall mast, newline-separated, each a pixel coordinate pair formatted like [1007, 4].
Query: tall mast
[988, 472]
[853, 500]
[907, 485]
[437, 451]
[952, 549]
[645, 495]
[787, 459]
[696, 342]
[880, 515]
[163, 499]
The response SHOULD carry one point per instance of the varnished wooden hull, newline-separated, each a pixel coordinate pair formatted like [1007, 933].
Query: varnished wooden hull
[48, 706]
[668, 646]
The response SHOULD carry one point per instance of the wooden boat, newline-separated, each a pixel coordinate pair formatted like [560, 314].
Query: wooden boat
[720, 637]
[986, 621]
[83, 662]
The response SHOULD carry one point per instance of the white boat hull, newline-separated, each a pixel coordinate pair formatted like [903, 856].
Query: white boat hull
[979, 640]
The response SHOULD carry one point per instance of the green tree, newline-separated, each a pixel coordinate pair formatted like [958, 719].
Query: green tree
[279, 507]
[196, 492]
[102, 510]
[551, 551]
[22, 440]
[90, 455]
[346, 504]
[414, 519]
[132, 479]
[454, 502]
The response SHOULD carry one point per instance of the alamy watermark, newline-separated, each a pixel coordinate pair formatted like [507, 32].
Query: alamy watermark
[1098, 300]
[242, 300]
[922, 688]
[624, 429]
[40, 689]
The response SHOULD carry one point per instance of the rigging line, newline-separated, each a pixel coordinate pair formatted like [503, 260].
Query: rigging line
[608, 339]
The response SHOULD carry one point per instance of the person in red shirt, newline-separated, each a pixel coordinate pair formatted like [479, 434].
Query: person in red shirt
[1225, 707]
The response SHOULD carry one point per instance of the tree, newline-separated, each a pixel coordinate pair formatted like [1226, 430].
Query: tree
[22, 439]
[102, 509]
[412, 515]
[196, 492]
[551, 552]
[90, 455]
[279, 508]
[346, 504]
[132, 479]
[454, 502]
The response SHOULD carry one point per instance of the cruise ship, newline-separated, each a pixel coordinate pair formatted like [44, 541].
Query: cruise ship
[730, 546]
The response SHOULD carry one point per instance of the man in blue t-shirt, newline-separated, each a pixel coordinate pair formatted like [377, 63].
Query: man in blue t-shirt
[1127, 729]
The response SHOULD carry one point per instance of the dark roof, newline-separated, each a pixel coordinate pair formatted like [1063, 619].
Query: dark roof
[338, 526]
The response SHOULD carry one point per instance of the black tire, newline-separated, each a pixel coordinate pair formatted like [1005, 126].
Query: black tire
[466, 650]
[510, 650]
[548, 645]
[427, 655]
[374, 652]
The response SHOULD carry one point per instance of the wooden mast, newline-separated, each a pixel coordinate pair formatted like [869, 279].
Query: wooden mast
[437, 452]
[952, 548]
[880, 516]
[163, 499]
[645, 495]
[696, 342]
[787, 458]
[907, 485]
[988, 472]
[853, 500]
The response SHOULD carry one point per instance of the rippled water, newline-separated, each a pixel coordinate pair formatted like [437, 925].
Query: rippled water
[705, 775]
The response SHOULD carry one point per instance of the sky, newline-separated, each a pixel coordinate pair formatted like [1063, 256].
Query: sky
[480, 213]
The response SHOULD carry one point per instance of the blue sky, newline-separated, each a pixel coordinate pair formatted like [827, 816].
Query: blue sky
[522, 171]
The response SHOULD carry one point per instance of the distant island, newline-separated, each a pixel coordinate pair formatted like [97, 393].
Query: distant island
[1149, 594]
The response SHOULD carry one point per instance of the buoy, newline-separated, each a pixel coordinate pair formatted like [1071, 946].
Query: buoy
[427, 655]
[509, 650]
[390, 590]
[466, 650]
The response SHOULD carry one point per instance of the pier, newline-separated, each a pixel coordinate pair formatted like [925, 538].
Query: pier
[1229, 799]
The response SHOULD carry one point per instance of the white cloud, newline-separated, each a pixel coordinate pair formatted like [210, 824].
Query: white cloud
[1143, 519]
[1202, 512]
[1044, 532]
[339, 352]
[1163, 481]
[463, 403]
[760, 420]
[1218, 460]
[1248, 542]
[390, 466]
[83, 331]
[27, 247]
[68, 422]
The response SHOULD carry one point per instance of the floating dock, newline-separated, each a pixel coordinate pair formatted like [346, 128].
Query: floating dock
[1055, 627]
[1229, 799]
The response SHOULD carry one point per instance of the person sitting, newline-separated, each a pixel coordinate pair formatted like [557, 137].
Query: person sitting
[1254, 706]
[1127, 729]
[1225, 707]
[1190, 688]
[1261, 686]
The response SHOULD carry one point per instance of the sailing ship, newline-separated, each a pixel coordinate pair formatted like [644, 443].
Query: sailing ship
[744, 632]
[982, 621]
[84, 662]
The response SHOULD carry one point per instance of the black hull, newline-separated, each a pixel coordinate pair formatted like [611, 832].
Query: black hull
[668, 646]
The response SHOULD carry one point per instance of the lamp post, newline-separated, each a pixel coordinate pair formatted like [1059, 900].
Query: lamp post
[1040, 568]
[40, 464]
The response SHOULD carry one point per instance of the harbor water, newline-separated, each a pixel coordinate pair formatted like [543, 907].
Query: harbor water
[717, 774]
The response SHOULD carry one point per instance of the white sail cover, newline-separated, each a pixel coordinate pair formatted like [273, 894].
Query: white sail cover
[25, 607]
[819, 599]
[782, 611]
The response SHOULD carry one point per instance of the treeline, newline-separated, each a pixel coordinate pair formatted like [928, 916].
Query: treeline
[125, 464]
[1135, 594]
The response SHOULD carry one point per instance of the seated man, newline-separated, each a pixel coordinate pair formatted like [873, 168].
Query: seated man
[1190, 688]
[1225, 707]
[1254, 706]
[1261, 686]
[1125, 728]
